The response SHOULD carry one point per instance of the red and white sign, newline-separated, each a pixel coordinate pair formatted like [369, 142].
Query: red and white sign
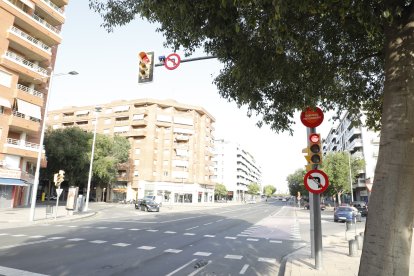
[172, 61]
[316, 181]
[312, 117]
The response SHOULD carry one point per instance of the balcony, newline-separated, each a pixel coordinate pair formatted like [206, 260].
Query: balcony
[16, 174]
[23, 123]
[18, 63]
[21, 148]
[51, 11]
[356, 143]
[29, 95]
[28, 45]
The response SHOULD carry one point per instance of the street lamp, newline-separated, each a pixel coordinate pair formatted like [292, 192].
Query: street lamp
[42, 137]
[97, 110]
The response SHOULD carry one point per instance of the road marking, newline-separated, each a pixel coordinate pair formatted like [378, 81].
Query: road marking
[170, 232]
[233, 257]
[201, 268]
[7, 271]
[208, 223]
[230, 238]
[243, 235]
[181, 267]
[209, 236]
[267, 260]
[172, 251]
[191, 228]
[117, 228]
[56, 238]
[87, 227]
[59, 225]
[73, 226]
[21, 244]
[19, 235]
[205, 254]
[76, 239]
[101, 227]
[219, 220]
[4, 234]
[98, 241]
[36, 237]
[252, 239]
[134, 229]
[152, 230]
[273, 241]
[243, 270]
[121, 244]
[146, 247]
[189, 234]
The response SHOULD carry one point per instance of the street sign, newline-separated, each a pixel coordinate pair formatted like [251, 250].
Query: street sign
[59, 192]
[172, 61]
[316, 181]
[312, 117]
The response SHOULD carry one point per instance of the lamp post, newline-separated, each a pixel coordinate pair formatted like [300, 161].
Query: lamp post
[97, 110]
[350, 175]
[42, 137]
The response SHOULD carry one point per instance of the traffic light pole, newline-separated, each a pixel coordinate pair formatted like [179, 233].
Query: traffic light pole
[316, 221]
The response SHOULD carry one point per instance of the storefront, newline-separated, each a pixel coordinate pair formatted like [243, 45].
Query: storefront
[13, 193]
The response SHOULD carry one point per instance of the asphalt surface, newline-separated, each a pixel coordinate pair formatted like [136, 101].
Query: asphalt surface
[249, 239]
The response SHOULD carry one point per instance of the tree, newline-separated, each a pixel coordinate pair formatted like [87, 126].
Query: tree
[281, 56]
[66, 150]
[269, 190]
[220, 191]
[253, 188]
[295, 183]
[336, 166]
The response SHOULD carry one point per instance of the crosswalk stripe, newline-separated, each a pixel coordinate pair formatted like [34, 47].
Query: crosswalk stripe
[233, 257]
[172, 250]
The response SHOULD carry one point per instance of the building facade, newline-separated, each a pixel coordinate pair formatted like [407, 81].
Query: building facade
[235, 168]
[171, 147]
[29, 36]
[360, 142]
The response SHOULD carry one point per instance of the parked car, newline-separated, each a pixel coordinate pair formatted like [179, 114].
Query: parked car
[346, 213]
[323, 207]
[148, 205]
[155, 198]
[361, 206]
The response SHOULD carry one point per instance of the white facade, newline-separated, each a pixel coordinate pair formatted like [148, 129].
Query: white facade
[361, 143]
[235, 168]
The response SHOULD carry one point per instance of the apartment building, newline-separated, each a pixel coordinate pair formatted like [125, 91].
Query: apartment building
[171, 147]
[29, 36]
[360, 142]
[235, 168]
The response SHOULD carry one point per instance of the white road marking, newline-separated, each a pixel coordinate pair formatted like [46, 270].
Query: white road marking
[230, 238]
[36, 237]
[7, 271]
[252, 239]
[134, 229]
[73, 226]
[208, 223]
[19, 235]
[243, 270]
[101, 227]
[98, 241]
[205, 254]
[59, 225]
[117, 228]
[4, 234]
[121, 244]
[146, 247]
[56, 238]
[189, 234]
[191, 228]
[267, 260]
[76, 239]
[21, 244]
[86, 227]
[152, 230]
[273, 241]
[170, 232]
[233, 257]
[181, 267]
[209, 236]
[219, 220]
[243, 235]
[172, 251]
[198, 270]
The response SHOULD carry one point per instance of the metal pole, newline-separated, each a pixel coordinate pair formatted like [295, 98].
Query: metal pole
[350, 175]
[97, 109]
[311, 217]
[42, 138]
[57, 205]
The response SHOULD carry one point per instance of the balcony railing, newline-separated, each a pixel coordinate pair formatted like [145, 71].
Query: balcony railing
[31, 39]
[52, 5]
[22, 144]
[26, 63]
[37, 19]
[30, 91]
[23, 116]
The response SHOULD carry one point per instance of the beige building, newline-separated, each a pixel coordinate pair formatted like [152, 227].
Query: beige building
[171, 147]
[29, 36]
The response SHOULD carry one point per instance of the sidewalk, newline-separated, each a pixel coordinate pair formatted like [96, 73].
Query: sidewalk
[335, 257]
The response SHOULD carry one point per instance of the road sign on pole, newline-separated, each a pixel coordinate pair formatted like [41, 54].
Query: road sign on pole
[312, 117]
[316, 181]
[172, 61]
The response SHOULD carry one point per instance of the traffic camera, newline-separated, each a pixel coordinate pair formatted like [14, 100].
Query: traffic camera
[146, 67]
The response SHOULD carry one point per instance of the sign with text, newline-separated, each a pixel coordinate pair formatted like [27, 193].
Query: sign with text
[312, 117]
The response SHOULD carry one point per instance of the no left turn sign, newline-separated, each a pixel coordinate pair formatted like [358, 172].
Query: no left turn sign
[316, 181]
[172, 61]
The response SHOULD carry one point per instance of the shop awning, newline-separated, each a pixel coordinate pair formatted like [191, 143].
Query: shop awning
[29, 109]
[12, 182]
[4, 102]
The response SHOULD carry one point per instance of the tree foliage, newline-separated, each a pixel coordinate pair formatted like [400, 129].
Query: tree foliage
[253, 188]
[281, 56]
[220, 191]
[269, 190]
[295, 183]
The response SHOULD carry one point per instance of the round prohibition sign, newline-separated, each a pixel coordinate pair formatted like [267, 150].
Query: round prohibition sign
[316, 181]
[172, 61]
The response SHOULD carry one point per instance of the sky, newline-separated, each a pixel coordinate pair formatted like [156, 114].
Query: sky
[107, 64]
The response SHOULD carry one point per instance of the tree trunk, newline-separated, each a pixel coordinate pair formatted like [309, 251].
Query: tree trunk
[388, 234]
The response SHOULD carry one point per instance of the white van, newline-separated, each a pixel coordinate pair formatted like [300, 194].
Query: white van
[157, 199]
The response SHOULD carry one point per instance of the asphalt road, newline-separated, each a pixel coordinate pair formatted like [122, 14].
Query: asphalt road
[249, 239]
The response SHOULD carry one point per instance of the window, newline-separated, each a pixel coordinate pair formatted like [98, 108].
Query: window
[136, 173]
[164, 118]
[5, 78]
[108, 111]
[137, 151]
[107, 121]
[137, 117]
[165, 173]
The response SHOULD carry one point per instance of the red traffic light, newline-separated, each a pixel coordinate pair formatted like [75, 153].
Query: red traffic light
[144, 57]
[314, 138]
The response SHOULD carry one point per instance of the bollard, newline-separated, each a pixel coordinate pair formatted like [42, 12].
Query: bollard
[352, 248]
[360, 241]
[348, 225]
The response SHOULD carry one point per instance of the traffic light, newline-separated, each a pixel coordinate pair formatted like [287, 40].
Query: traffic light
[55, 179]
[146, 67]
[315, 149]
[60, 177]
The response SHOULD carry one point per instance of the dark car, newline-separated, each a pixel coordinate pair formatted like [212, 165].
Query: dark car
[149, 205]
[362, 207]
[346, 213]
[323, 207]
